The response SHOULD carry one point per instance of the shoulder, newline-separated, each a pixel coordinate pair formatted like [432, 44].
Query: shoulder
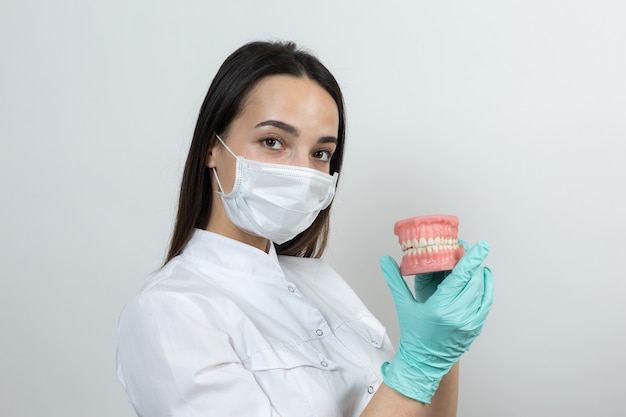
[176, 291]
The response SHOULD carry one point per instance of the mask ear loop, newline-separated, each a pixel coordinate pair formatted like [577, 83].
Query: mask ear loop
[219, 184]
[227, 148]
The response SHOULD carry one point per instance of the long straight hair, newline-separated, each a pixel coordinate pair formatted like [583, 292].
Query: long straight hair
[239, 73]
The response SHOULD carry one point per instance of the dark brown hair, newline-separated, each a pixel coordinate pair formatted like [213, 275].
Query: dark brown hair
[239, 73]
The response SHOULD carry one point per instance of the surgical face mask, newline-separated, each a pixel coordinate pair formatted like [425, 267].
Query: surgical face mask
[275, 201]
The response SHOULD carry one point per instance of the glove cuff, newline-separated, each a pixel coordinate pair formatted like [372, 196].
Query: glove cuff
[411, 378]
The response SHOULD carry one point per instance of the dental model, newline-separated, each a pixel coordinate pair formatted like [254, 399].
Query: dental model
[429, 243]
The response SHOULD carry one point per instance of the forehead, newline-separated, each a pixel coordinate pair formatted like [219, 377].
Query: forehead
[288, 94]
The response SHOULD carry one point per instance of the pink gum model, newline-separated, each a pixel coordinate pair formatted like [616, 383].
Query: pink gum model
[429, 243]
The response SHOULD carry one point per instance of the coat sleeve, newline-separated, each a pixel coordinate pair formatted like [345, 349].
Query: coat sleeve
[173, 362]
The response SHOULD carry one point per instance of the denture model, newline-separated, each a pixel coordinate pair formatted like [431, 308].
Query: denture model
[429, 243]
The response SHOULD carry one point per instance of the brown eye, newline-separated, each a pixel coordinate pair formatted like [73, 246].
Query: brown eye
[272, 143]
[323, 155]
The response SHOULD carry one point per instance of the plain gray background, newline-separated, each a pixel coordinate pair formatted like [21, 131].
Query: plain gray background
[509, 114]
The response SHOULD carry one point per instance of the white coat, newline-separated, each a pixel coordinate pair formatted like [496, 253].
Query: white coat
[226, 329]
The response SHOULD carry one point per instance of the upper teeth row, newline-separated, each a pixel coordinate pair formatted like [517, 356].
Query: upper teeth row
[435, 244]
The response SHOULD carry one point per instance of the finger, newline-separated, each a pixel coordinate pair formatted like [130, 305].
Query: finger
[472, 258]
[426, 284]
[487, 299]
[481, 311]
[464, 269]
[464, 244]
[473, 292]
[421, 281]
[397, 285]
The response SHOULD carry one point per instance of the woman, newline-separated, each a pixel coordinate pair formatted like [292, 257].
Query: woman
[244, 318]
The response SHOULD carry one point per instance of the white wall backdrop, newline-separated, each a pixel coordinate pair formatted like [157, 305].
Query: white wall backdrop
[509, 114]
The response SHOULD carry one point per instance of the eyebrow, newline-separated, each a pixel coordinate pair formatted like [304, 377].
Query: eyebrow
[281, 125]
[293, 131]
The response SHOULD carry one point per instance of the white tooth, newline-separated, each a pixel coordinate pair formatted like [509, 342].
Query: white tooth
[420, 250]
[422, 242]
[429, 249]
[437, 240]
[403, 246]
[431, 241]
[435, 248]
[414, 243]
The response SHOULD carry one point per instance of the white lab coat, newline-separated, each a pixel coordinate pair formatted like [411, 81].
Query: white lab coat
[226, 329]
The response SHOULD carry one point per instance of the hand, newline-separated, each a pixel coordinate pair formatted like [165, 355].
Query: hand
[438, 326]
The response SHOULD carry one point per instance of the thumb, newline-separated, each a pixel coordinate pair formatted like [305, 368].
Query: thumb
[472, 258]
[397, 285]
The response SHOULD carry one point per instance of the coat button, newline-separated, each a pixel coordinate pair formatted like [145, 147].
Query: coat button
[370, 389]
[319, 332]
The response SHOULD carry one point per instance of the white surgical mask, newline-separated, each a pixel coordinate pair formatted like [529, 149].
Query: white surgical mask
[275, 201]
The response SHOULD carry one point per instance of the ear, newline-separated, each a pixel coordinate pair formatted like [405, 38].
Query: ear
[210, 159]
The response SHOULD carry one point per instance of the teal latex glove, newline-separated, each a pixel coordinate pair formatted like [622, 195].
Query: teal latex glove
[439, 324]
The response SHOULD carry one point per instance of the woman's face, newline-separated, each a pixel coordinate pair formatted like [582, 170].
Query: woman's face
[284, 120]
